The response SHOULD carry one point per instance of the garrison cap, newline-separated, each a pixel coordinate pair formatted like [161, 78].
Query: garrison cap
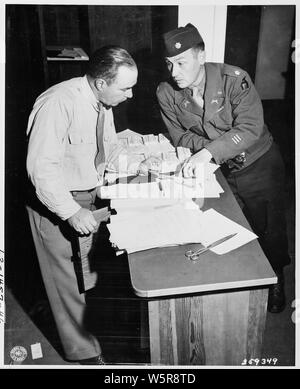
[181, 39]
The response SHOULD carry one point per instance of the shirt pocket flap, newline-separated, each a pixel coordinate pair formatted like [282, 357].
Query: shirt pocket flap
[76, 138]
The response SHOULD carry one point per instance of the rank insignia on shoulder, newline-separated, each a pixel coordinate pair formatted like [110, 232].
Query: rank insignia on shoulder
[244, 84]
[237, 72]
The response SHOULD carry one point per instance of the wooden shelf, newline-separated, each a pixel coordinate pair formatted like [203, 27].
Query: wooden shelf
[65, 50]
[64, 53]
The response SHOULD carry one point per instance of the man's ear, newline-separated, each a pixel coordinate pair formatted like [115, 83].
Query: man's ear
[100, 84]
[202, 57]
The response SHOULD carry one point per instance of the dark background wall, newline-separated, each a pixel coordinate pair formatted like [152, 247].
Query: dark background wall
[29, 28]
[248, 28]
[242, 34]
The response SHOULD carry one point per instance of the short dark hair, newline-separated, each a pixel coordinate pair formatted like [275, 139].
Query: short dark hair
[105, 62]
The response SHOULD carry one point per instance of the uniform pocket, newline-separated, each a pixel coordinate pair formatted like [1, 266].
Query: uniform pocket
[77, 138]
[222, 120]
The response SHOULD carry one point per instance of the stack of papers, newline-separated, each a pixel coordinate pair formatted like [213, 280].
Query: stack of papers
[142, 147]
[157, 210]
[168, 182]
[151, 225]
[144, 225]
[170, 186]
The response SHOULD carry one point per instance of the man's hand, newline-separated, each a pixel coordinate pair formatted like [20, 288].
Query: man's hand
[152, 164]
[195, 162]
[83, 221]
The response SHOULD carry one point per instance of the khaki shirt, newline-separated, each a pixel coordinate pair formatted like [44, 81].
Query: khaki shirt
[63, 145]
[230, 123]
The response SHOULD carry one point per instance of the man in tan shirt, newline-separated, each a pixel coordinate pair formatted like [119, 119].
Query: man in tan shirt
[63, 147]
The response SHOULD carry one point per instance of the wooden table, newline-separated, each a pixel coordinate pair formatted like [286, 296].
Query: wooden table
[211, 312]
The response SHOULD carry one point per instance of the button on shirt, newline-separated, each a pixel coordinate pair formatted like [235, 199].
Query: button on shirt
[62, 144]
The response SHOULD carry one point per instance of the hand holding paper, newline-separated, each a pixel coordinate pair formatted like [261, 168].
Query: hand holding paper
[194, 165]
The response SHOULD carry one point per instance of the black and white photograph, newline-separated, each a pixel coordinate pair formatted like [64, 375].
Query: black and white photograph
[149, 185]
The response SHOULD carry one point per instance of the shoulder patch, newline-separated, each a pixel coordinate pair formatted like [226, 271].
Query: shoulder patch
[234, 71]
[244, 84]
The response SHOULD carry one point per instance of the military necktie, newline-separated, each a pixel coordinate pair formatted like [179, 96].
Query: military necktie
[100, 156]
[196, 96]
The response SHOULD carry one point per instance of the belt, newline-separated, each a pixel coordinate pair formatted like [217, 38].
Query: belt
[237, 162]
[81, 192]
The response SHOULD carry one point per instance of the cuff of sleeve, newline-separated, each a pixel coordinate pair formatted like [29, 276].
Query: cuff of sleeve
[215, 151]
[69, 210]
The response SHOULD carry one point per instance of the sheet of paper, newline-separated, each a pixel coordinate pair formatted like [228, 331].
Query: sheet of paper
[218, 226]
[148, 144]
[136, 204]
[131, 191]
[212, 188]
[36, 351]
[146, 227]
[126, 133]
[161, 227]
[182, 188]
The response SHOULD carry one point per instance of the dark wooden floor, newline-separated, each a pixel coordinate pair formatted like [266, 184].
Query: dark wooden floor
[113, 315]
[114, 311]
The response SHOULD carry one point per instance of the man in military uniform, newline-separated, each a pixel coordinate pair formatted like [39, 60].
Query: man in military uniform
[214, 109]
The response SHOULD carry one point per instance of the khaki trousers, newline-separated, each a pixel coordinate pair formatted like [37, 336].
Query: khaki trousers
[52, 239]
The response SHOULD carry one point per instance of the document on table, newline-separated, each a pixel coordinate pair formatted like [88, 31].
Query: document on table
[169, 186]
[149, 144]
[156, 227]
[131, 191]
[217, 226]
[148, 204]
[151, 227]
